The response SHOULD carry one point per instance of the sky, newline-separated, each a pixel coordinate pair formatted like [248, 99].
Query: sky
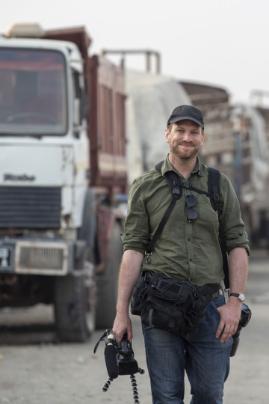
[220, 42]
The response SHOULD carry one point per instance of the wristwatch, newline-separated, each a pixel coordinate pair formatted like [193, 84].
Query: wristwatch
[240, 296]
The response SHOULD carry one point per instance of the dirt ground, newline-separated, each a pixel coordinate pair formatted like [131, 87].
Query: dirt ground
[35, 369]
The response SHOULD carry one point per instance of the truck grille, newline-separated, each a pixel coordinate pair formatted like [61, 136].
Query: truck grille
[30, 207]
[39, 257]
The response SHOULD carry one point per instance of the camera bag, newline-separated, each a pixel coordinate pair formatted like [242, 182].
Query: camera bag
[173, 305]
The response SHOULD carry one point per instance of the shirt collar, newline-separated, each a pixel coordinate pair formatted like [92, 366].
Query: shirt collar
[199, 168]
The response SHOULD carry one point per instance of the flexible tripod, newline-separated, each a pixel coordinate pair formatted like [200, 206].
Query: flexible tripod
[133, 384]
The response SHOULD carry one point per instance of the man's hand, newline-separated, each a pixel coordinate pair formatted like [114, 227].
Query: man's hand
[122, 324]
[230, 314]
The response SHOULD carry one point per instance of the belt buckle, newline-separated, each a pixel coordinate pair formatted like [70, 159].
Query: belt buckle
[219, 292]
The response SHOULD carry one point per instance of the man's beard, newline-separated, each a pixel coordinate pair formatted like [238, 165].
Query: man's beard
[185, 155]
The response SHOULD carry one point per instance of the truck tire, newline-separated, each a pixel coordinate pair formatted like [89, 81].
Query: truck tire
[74, 307]
[107, 282]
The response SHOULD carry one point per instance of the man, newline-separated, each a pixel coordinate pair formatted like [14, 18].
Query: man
[187, 249]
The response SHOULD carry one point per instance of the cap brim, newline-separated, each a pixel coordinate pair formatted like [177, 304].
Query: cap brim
[186, 118]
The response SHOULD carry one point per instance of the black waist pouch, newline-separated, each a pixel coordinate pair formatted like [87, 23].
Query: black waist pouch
[140, 294]
[169, 304]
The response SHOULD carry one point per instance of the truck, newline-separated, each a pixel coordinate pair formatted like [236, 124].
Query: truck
[62, 167]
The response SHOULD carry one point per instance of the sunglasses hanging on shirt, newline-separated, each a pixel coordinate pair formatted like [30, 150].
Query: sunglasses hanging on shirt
[190, 207]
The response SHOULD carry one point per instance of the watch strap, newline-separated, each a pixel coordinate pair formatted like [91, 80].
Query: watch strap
[239, 296]
[234, 294]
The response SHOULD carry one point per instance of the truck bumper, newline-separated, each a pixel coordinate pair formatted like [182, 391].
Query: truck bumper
[40, 257]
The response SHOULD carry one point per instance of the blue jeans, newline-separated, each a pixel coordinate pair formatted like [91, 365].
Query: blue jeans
[204, 358]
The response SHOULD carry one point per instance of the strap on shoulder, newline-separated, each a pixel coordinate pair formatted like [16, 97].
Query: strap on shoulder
[217, 204]
[158, 166]
[174, 183]
[173, 180]
[214, 189]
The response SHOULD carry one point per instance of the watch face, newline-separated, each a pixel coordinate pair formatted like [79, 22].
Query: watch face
[242, 297]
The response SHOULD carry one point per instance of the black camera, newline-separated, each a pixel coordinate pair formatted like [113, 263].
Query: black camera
[244, 320]
[119, 357]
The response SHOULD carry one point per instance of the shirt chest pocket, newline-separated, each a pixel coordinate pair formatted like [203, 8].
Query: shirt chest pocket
[207, 225]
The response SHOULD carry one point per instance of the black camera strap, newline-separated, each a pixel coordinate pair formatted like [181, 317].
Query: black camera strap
[213, 193]
[102, 338]
[176, 190]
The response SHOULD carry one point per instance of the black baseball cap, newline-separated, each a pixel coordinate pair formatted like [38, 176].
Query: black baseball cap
[186, 112]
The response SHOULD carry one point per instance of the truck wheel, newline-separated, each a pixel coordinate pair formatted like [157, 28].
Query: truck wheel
[74, 307]
[107, 282]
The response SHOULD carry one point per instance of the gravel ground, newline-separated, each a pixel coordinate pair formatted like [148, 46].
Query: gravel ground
[34, 369]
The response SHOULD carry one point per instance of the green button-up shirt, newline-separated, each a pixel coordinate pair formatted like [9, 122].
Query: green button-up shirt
[187, 250]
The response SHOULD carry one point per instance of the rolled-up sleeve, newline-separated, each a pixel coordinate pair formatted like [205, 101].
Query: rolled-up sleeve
[233, 226]
[136, 228]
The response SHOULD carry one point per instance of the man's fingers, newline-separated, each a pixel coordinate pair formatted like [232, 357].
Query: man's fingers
[118, 336]
[129, 330]
[121, 327]
[225, 331]
[220, 329]
[119, 333]
[228, 322]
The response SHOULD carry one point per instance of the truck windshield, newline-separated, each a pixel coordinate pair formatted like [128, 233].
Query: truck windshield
[32, 92]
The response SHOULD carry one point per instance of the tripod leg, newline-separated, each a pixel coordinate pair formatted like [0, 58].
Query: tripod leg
[134, 388]
[107, 384]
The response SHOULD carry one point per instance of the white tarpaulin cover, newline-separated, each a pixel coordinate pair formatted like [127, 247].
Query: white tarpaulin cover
[150, 100]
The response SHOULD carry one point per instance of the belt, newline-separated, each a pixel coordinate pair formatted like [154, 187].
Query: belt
[211, 289]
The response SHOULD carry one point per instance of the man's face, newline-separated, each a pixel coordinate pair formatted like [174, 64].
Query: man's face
[185, 139]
